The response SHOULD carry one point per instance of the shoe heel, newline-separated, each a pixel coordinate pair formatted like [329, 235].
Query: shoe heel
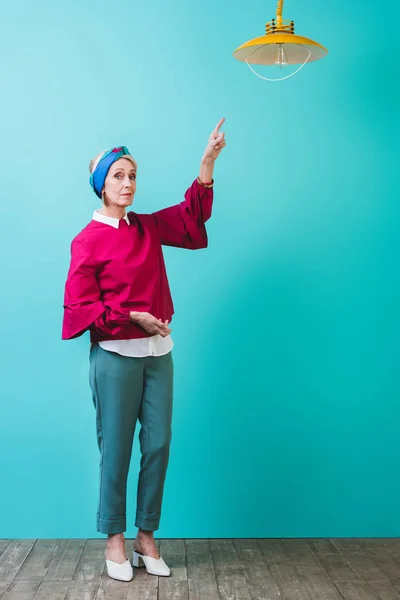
[136, 560]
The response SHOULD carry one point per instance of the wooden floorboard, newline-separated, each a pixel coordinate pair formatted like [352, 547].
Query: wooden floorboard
[207, 569]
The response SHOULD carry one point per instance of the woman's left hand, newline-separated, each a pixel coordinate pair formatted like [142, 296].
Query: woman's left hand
[215, 143]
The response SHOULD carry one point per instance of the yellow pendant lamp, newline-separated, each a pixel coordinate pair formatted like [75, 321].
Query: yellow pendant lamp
[279, 46]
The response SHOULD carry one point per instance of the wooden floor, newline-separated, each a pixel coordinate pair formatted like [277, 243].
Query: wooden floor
[210, 569]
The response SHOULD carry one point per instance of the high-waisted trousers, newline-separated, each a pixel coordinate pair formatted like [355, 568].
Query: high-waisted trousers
[125, 389]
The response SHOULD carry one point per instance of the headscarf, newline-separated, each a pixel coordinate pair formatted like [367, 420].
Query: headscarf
[99, 173]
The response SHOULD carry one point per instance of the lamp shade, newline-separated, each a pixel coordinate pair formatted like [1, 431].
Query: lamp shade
[279, 41]
[262, 50]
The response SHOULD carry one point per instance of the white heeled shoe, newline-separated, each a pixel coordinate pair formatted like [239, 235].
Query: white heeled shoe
[123, 572]
[154, 566]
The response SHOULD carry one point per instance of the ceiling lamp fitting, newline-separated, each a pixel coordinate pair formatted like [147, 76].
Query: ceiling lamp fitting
[279, 46]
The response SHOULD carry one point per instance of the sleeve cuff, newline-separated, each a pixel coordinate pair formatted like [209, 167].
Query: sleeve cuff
[205, 184]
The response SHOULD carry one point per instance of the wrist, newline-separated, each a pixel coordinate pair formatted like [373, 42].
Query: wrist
[206, 184]
[206, 170]
[133, 315]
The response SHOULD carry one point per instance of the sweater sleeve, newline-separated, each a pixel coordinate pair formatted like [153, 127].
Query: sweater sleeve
[83, 306]
[183, 225]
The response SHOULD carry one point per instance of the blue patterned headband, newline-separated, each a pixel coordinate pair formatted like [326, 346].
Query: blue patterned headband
[99, 174]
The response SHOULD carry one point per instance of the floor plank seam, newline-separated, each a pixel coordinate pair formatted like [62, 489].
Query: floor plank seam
[329, 576]
[367, 583]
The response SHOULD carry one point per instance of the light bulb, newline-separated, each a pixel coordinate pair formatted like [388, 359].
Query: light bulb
[280, 58]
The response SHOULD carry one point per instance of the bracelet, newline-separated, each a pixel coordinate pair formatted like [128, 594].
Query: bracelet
[206, 185]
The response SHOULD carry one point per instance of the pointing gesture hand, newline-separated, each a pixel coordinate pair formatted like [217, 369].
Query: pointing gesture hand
[216, 142]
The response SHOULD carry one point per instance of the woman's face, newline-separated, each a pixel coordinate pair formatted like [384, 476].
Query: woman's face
[120, 183]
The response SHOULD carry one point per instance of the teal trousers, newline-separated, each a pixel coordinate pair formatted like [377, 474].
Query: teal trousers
[125, 389]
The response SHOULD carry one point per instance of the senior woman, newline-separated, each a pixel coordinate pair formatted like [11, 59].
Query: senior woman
[117, 288]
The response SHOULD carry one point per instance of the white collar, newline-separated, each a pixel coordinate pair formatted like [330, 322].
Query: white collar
[113, 221]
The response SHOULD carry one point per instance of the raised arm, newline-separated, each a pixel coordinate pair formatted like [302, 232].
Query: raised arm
[183, 225]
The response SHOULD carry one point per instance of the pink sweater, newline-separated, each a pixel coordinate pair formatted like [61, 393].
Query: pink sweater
[115, 271]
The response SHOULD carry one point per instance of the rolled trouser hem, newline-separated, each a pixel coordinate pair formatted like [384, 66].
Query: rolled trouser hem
[149, 522]
[111, 525]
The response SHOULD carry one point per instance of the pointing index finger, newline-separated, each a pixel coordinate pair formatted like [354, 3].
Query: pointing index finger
[218, 127]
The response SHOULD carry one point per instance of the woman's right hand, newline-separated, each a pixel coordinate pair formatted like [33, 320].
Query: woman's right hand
[150, 324]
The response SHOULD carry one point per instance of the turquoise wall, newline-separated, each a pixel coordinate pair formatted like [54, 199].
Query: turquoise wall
[286, 416]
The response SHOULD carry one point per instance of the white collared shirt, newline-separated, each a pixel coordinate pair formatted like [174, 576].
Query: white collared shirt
[155, 345]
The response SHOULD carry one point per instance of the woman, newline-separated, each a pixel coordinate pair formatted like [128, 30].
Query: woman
[117, 288]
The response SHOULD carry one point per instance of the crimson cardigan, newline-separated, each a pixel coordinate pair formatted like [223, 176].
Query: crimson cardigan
[115, 271]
